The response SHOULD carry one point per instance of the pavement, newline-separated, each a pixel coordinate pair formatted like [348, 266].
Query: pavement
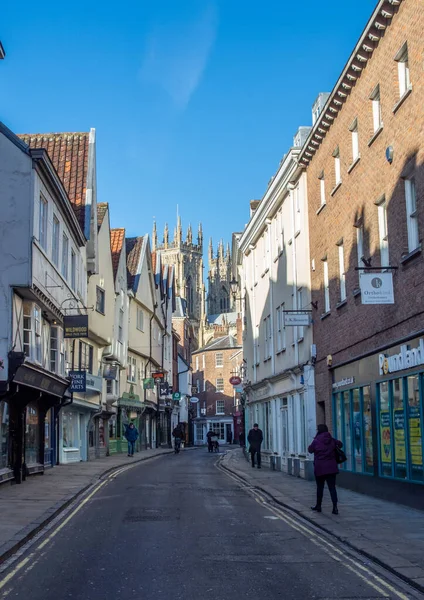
[179, 528]
[27, 507]
[390, 534]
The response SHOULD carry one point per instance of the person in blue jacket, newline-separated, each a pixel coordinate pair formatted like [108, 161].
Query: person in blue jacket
[131, 435]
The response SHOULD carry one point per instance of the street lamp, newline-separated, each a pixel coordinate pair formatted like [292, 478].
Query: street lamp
[234, 287]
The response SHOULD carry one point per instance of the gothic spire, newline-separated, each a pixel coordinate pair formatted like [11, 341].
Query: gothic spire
[200, 235]
[166, 235]
[179, 237]
[228, 253]
[210, 251]
[221, 250]
[154, 237]
[189, 238]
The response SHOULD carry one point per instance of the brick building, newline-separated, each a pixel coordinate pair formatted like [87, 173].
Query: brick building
[219, 404]
[364, 160]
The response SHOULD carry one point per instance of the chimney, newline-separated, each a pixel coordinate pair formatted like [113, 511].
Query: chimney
[239, 324]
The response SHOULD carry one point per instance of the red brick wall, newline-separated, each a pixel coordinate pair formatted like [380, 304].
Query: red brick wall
[354, 329]
[210, 373]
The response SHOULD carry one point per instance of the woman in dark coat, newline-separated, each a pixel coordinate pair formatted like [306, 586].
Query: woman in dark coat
[325, 465]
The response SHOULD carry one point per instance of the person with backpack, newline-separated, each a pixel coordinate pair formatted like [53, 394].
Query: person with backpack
[178, 435]
[325, 449]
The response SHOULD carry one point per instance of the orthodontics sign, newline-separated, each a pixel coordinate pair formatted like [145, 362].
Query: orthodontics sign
[408, 358]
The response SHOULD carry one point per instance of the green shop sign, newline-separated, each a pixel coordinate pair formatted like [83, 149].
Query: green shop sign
[149, 383]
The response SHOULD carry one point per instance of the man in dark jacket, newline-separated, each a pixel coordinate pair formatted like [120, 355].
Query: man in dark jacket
[131, 435]
[326, 469]
[255, 439]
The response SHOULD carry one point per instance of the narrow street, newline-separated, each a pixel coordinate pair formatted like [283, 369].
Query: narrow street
[177, 527]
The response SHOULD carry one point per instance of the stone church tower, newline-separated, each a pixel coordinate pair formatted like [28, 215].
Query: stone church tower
[187, 258]
[220, 299]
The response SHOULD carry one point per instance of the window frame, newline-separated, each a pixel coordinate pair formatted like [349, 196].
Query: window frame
[86, 357]
[219, 360]
[383, 232]
[65, 256]
[55, 241]
[355, 140]
[342, 272]
[219, 385]
[412, 214]
[404, 75]
[221, 403]
[327, 302]
[102, 308]
[377, 118]
[337, 166]
[73, 270]
[43, 221]
[323, 200]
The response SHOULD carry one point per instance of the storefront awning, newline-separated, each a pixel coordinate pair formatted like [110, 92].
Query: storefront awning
[131, 401]
[38, 378]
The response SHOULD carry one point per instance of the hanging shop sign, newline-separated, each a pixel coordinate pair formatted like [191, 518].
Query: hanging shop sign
[78, 381]
[110, 372]
[194, 400]
[176, 396]
[297, 318]
[75, 326]
[235, 380]
[164, 389]
[408, 358]
[158, 376]
[149, 383]
[377, 288]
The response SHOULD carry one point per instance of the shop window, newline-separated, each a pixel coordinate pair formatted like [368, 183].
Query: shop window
[70, 429]
[4, 434]
[414, 429]
[367, 430]
[48, 450]
[353, 427]
[399, 429]
[219, 429]
[32, 434]
[357, 431]
[102, 440]
[285, 426]
[92, 436]
[385, 430]
[303, 433]
[37, 327]
[112, 428]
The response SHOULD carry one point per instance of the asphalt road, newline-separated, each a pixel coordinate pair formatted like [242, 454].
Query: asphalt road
[177, 528]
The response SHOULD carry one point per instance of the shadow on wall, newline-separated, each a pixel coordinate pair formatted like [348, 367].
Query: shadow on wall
[349, 328]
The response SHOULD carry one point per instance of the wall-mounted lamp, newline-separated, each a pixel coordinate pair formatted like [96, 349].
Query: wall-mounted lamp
[329, 360]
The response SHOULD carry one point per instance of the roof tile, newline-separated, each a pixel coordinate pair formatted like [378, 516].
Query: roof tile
[117, 237]
[133, 248]
[102, 209]
[69, 155]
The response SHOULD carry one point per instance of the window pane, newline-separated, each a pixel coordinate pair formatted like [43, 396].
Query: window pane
[399, 427]
[347, 429]
[385, 431]
[415, 435]
[367, 428]
[357, 430]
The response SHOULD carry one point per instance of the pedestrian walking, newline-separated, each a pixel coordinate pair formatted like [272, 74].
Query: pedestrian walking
[242, 438]
[131, 435]
[255, 439]
[178, 435]
[209, 437]
[229, 437]
[323, 448]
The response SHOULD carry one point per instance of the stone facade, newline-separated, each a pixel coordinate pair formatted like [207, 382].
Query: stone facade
[220, 299]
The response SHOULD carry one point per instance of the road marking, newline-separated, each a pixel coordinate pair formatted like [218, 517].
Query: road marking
[338, 555]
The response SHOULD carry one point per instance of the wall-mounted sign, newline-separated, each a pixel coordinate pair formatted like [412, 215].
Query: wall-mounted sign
[238, 389]
[176, 396]
[235, 380]
[78, 381]
[93, 383]
[110, 372]
[377, 288]
[75, 326]
[194, 400]
[406, 359]
[297, 318]
[30, 376]
[343, 382]
[149, 383]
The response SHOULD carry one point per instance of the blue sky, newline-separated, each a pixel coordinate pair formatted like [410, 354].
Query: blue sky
[194, 101]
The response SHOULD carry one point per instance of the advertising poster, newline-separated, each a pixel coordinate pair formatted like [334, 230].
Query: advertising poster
[415, 438]
[400, 447]
[369, 458]
[386, 450]
[357, 440]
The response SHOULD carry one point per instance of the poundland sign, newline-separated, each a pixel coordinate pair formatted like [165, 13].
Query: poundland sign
[408, 358]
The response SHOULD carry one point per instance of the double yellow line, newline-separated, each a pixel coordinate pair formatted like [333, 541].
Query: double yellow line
[367, 575]
[31, 560]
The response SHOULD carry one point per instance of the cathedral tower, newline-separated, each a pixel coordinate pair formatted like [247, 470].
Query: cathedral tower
[220, 299]
[186, 255]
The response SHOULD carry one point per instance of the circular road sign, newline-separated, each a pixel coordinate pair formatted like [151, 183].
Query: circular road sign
[176, 396]
[194, 400]
[235, 380]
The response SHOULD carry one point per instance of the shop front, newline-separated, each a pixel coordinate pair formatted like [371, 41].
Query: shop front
[6, 472]
[33, 397]
[130, 409]
[378, 415]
